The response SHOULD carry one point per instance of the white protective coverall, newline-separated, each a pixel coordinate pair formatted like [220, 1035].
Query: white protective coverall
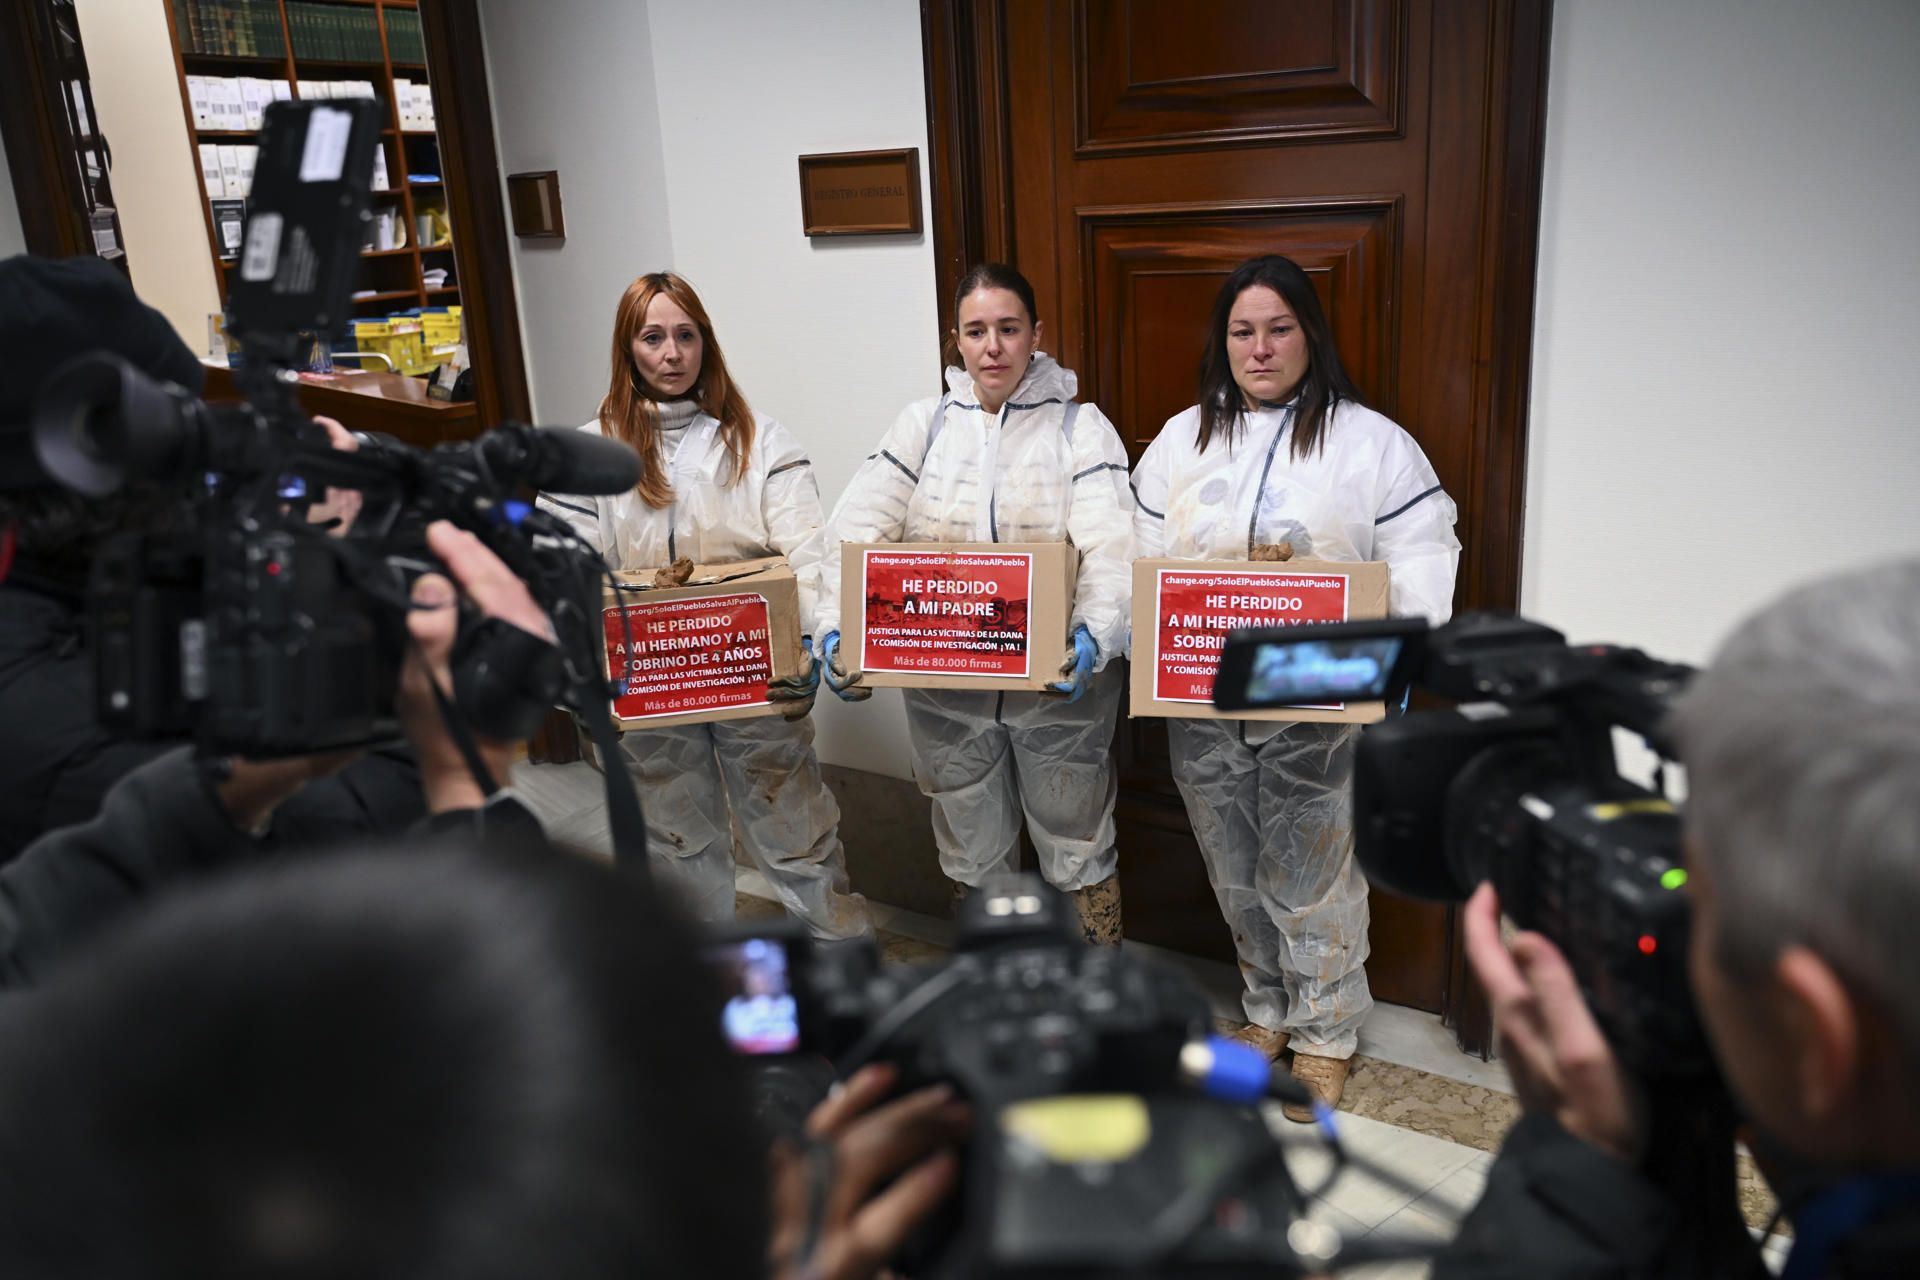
[1032, 472]
[1271, 803]
[762, 769]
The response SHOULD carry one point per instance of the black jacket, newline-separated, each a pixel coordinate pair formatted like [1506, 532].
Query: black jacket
[1557, 1208]
[56, 762]
[161, 826]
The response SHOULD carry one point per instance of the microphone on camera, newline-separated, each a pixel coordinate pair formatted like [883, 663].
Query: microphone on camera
[561, 460]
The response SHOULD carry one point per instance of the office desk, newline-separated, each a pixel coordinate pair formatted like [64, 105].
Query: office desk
[386, 402]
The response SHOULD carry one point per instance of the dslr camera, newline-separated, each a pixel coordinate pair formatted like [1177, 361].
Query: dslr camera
[1112, 1135]
[255, 630]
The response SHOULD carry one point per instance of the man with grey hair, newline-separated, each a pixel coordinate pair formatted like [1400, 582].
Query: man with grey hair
[1802, 749]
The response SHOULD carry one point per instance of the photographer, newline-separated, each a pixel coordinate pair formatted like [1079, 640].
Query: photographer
[56, 760]
[177, 817]
[1802, 748]
[416, 1063]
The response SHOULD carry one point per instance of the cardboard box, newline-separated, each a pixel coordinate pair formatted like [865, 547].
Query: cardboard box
[705, 651]
[1183, 610]
[957, 615]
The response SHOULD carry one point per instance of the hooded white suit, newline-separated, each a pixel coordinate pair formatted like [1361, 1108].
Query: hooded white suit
[1042, 469]
[762, 772]
[1271, 803]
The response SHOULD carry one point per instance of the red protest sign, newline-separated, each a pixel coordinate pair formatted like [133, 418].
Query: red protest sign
[1196, 608]
[946, 613]
[700, 653]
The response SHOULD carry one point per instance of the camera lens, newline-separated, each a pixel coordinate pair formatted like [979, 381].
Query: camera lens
[98, 420]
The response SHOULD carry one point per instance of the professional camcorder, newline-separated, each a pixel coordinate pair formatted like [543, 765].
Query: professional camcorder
[1113, 1134]
[258, 629]
[1517, 784]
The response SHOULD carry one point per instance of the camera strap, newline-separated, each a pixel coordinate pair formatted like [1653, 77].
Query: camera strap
[625, 824]
[457, 730]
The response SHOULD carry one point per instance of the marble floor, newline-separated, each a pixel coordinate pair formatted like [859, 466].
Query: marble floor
[1427, 1116]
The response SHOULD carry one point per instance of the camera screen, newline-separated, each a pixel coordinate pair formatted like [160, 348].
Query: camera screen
[1353, 668]
[761, 1014]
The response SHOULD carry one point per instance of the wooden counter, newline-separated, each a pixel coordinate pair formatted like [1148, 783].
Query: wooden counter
[387, 402]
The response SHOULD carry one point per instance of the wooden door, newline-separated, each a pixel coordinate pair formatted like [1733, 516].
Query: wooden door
[1127, 154]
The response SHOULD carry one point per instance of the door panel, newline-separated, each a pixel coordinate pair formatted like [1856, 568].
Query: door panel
[1225, 72]
[1127, 154]
[1150, 280]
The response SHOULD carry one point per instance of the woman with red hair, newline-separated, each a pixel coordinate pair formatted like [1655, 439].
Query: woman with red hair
[718, 483]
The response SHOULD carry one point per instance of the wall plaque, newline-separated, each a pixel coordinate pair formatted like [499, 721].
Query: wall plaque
[534, 199]
[860, 193]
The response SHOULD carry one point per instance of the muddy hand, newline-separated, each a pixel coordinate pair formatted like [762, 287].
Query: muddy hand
[848, 687]
[795, 693]
[1078, 668]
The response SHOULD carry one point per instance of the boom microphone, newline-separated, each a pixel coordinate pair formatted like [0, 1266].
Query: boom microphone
[561, 459]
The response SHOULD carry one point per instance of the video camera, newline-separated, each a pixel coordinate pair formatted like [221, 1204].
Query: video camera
[1517, 784]
[1113, 1135]
[263, 633]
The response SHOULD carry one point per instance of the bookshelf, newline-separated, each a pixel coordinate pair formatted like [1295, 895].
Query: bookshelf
[332, 48]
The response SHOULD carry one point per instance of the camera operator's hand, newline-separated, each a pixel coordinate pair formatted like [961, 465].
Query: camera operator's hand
[499, 593]
[253, 789]
[339, 504]
[906, 1147]
[1560, 1061]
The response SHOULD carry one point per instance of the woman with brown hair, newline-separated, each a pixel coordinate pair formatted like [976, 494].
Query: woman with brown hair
[1282, 449]
[1009, 454]
[718, 483]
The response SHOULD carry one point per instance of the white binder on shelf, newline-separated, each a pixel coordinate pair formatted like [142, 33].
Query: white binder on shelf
[210, 171]
[230, 170]
[197, 98]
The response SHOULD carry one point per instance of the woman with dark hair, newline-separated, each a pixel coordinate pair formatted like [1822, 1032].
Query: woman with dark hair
[1281, 449]
[1007, 455]
[718, 483]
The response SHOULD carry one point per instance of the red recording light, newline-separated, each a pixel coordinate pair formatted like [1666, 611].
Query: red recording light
[1648, 945]
[273, 567]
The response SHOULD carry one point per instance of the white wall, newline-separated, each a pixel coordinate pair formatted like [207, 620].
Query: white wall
[136, 94]
[832, 337]
[12, 239]
[573, 90]
[676, 127]
[1724, 390]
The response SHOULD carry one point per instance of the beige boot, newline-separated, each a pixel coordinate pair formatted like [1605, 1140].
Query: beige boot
[1098, 906]
[1271, 1044]
[1325, 1077]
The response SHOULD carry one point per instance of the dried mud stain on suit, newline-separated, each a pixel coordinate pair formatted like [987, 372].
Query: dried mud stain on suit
[756, 781]
[769, 779]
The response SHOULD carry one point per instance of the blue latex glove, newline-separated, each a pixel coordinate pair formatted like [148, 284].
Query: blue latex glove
[1078, 668]
[796, 692]
[848, 688]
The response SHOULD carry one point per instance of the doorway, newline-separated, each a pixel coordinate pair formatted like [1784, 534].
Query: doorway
[1127, 154]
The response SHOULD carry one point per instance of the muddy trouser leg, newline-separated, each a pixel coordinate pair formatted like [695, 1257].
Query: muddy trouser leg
[1311, 886]
[689, 844]
[963, 763]
[1219, 778]
[1063, 760]
[789, 821]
